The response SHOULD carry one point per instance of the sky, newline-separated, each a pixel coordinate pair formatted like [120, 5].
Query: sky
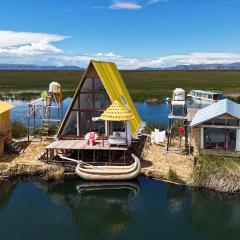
[132, 33]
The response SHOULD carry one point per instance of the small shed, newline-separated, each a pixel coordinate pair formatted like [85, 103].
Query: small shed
[5, 126]
[217, 127]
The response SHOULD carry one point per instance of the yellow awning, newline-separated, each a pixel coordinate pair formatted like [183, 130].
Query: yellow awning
[116, 112]
[5, 106]
[117, 90]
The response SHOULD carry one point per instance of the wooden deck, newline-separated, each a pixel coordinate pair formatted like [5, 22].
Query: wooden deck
[82, 145]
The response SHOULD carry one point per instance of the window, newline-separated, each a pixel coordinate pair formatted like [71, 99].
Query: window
[179, 110]
[87, 85]
[87, 108]
[232, 122]
[219, 138]
[70, 127]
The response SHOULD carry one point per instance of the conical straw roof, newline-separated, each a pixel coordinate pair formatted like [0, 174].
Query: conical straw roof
[117, 112]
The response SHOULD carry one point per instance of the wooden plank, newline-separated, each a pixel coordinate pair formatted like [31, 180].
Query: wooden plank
[82, 145]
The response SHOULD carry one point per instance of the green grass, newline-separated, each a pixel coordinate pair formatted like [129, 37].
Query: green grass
[172, 176]
[19, 130]
[210, 165]
[142, 85]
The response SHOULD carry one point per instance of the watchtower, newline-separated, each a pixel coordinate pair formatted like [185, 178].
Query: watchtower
[178, 114]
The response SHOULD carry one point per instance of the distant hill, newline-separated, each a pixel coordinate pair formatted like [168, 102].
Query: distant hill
[36, 67]
[231, 66]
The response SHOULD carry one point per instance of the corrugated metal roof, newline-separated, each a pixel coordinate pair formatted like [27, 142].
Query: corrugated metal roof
[225, 106]
[116, 89]
[5, 106]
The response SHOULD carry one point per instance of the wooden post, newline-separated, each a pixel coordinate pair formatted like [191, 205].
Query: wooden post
[169, 134]
[190, 141]
[126, 132]
[225, 139]
[28, 122]
[34, 117]
[186, 134]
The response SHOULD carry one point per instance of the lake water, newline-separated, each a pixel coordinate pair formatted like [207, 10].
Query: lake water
[156, 114]
[152, 113]
[142, 209]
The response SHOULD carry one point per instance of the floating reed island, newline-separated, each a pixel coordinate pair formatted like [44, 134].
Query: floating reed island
[102, 137]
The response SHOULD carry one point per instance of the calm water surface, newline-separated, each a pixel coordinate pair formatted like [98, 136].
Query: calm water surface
[143, 209]
[152, 113]
[156, 114]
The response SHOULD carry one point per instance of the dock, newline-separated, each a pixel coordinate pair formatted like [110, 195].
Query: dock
[82, 145]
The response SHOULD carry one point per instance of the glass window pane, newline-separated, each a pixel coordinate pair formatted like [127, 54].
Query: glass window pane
[98, 85]
[75, 105]
[70, 127]
[97, 124]
[178, 110]
[86, 101]
[85, 123]
[87, 85]
[214, 138]
[232, 122]
[100, 102]
[231, 139]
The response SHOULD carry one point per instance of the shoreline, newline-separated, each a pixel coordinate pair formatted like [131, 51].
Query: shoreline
[170, 167]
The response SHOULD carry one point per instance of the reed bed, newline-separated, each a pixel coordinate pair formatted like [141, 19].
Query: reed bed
[143, 85]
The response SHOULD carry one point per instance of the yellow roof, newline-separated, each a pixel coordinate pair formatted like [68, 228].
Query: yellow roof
[117, 112]
[117, 90]
[5, 106]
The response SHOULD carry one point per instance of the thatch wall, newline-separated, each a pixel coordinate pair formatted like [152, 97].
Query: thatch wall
[5, 126]
[196, 140]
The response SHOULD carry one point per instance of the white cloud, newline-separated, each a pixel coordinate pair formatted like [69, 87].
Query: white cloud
[39, 49]
[11, 38]
[28, 43]
[119, 4]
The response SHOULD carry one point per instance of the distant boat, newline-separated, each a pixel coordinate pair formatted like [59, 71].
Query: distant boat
[201, 96]
[166, 99]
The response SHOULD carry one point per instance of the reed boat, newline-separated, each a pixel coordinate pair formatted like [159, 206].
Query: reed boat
[109, 172]
[200, 96]
[89, 171]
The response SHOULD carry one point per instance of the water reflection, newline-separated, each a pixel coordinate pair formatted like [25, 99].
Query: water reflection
[216, 213]
[178, 200]
[6, 189]
[99, 209]
[141, 209]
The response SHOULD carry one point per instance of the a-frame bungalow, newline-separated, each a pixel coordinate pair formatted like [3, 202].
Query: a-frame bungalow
[101, 119]
[100, 86]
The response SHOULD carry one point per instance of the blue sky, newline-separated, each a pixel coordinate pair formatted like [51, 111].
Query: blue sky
[154, 33]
